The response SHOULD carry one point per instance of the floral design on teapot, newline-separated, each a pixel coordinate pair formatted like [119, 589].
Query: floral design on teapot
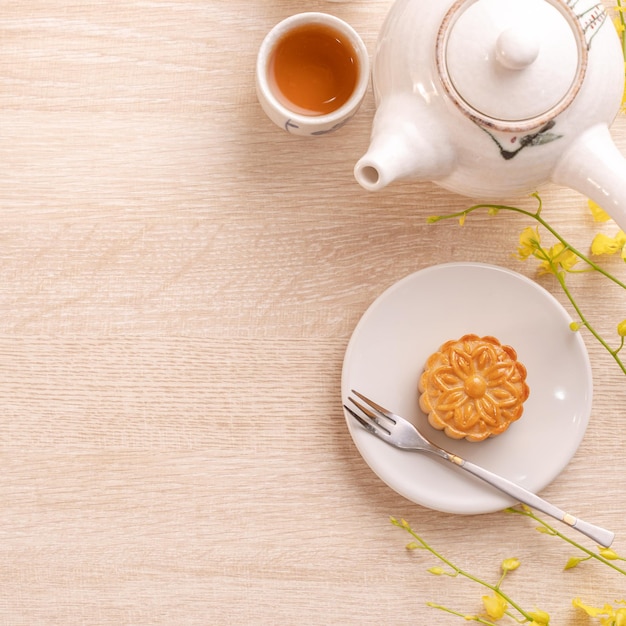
[590, 20]
[541, 137]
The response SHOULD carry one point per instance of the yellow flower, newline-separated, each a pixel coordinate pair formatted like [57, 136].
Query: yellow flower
[495, 606]
[620, 617]
[558, 256]
[565, 257]
[540, 617]
[621, 328]
[529, 242]
[608, 615]
[598, 213]
[603, 244]
[592, 611]
[624, 96]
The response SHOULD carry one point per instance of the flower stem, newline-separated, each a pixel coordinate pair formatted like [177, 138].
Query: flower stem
[553, 531]
[560, 276]
[459, 571]
[468, 618]
[622, 19]
[536, 215]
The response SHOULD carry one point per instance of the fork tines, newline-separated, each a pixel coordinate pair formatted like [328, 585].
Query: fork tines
[371, 414]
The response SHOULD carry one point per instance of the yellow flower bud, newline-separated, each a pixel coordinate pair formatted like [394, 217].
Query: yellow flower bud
[574, 326]
[621, 328]
[574, 561]
[608, 554]
[508, 565]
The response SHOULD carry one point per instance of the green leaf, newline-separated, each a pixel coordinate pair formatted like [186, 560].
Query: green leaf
[544, 138]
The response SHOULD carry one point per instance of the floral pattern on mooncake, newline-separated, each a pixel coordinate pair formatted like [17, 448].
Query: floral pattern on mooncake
[473, 388]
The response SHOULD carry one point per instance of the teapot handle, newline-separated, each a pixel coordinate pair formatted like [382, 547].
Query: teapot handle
[594, 166]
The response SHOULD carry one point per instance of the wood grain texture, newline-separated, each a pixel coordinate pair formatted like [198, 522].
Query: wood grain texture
[178, 283]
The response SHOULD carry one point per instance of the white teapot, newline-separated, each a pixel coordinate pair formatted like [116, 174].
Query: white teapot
[493, 98]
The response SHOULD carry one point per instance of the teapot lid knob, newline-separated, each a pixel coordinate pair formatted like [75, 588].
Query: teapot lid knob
[517, 48]
[511, 65]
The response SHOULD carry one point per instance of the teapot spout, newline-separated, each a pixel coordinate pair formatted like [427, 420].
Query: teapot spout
[594, 166]
[406, 142]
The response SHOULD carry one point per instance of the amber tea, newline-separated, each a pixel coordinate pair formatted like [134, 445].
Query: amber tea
[314, 69]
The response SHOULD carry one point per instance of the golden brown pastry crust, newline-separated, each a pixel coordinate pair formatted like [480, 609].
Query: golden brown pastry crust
[473, 388]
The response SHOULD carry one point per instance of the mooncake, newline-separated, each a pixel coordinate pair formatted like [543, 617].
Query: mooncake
[473, 388]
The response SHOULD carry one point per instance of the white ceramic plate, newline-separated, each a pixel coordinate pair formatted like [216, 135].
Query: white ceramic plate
[409, 321]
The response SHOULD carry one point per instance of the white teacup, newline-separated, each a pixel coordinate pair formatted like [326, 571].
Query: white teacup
[312, 73]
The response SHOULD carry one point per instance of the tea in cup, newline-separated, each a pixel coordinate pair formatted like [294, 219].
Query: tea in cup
[312, 73]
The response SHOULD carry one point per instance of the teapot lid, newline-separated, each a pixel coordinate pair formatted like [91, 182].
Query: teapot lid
[511, 65]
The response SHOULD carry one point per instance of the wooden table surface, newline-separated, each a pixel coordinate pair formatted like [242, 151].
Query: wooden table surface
[179, 280]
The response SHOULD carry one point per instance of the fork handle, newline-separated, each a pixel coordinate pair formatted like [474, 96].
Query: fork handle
[600, 535]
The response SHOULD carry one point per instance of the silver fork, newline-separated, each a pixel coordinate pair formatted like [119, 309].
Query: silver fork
[399, 432]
